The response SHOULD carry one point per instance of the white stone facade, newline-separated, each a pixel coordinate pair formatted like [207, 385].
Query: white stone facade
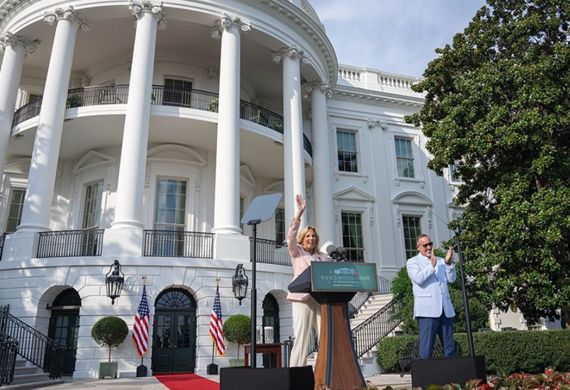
[226, 97]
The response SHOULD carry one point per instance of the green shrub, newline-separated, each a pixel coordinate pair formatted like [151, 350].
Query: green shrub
[390, 349]
[74, 101]
[237, 329]
[110, 332]
[505, 352]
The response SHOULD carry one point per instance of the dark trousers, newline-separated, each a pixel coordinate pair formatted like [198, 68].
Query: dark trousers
[432, 327]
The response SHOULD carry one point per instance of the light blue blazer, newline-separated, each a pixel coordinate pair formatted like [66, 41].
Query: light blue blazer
[431, 294]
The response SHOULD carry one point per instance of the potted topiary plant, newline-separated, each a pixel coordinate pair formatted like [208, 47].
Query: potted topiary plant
[109, 332]
[237, 329]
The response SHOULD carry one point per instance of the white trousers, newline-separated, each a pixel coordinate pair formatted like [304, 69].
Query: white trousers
[306, 316]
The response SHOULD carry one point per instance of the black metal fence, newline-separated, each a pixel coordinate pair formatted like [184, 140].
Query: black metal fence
[266, 252]
[161, 96]
[378, 326]
[66, 243]
[172, 243]
[8, 352]
[2, 239]
[33, 346]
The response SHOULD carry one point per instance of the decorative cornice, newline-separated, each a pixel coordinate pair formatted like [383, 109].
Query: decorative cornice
[376, 123]
[138, 8]
[292, 52]
[305, 25]
[376, 97]
[69, 14]
[19, 40]
[226, 22]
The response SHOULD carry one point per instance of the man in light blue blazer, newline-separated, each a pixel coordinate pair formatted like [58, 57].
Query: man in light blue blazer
[432, 305]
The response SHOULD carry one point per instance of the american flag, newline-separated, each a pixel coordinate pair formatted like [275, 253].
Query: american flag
[140, 327]
[217, 325]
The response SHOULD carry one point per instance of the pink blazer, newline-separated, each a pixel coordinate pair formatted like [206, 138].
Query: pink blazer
[300, 258]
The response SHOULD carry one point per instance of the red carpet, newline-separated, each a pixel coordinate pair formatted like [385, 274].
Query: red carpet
[187, 382]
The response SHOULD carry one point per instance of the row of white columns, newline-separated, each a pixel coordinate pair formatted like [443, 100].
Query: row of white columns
[130, 188]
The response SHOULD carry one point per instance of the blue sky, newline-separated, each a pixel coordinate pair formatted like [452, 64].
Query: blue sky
[397, 36]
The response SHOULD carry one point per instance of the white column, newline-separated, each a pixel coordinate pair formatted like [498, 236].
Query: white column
[227, 192]
[15, 49]
[229, 243]
[293, 154]
[322, 164]
[130, 186]
[41, 179]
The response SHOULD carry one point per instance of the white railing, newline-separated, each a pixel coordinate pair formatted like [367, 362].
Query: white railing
[349, 74]
[394, 81]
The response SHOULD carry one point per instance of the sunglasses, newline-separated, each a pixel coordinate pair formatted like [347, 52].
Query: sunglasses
[427, 244]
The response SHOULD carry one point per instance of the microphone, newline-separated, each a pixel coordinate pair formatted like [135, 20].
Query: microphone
[331, 250]
[342, 253]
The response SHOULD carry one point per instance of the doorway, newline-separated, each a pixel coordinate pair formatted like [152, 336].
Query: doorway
[174, 332]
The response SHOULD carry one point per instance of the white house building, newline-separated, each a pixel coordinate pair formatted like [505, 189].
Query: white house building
[140, 131]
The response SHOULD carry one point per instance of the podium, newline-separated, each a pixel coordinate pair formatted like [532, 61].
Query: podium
[332, 285]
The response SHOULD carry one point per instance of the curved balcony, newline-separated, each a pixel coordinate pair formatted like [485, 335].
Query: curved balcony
[161, 96]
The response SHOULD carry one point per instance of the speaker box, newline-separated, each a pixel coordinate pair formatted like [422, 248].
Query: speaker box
[247, 378]
[444, 370]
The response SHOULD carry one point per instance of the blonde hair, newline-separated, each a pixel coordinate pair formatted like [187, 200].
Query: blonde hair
[304, 232]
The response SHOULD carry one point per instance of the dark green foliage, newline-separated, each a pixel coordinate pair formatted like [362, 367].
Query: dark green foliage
[110, 332]
[402, 289]
[237, 329]
[390, 349]
[505, 352]
[496, 105]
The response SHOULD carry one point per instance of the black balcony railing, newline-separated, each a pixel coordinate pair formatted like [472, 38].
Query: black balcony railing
[266, 252]
[27, 111]
[2, 239]
[8, 352]
[33, 345]
[161, 96]
[66, 243]
[172, 243]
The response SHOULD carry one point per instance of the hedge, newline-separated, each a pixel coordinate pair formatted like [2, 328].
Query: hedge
[505, 352]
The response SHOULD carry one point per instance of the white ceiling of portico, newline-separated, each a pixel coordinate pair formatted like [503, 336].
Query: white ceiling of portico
[112, 33]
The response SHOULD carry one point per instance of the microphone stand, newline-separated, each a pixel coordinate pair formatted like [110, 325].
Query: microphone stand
[464, 290]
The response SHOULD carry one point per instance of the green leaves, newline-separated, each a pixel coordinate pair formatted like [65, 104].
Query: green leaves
[498, 105]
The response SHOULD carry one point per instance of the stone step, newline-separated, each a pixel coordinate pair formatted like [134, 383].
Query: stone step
[33, 385]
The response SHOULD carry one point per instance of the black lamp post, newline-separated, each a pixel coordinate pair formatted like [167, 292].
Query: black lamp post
[464, 289]
[114, 281]
[240, 283]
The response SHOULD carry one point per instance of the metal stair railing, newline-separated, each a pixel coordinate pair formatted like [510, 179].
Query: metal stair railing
[2, 239]
[8, 351]
[359, 299]
[34, 346]
[376, 327]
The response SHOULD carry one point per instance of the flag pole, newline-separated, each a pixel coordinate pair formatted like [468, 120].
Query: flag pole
[142, 369]
[212, 368]
[144, 285]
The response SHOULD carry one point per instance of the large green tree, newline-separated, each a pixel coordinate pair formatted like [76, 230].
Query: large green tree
[497, 104]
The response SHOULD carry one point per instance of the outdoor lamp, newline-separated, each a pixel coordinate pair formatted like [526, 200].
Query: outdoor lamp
[114, 281]
[239, 283]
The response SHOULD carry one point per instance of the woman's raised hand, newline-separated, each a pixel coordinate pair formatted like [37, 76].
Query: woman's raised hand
[301, 204]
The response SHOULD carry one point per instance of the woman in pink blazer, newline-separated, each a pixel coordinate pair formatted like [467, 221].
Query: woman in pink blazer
[303, 249]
